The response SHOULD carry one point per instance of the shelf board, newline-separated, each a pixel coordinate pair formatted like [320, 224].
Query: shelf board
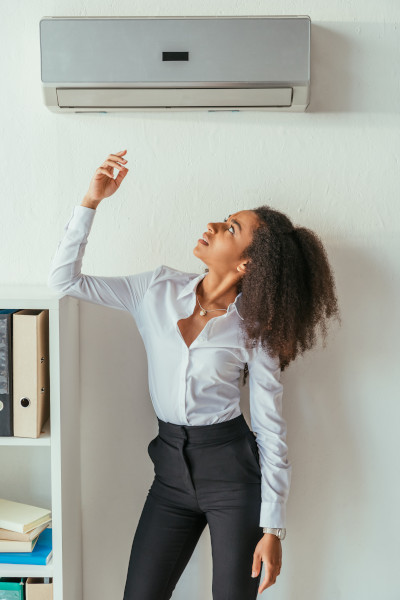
[43, 440]
[20, 570]
[29, 296]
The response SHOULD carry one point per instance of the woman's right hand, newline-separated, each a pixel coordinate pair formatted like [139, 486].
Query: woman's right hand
[103, 183]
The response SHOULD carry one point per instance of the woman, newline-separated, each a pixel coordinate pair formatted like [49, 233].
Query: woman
[267, 285]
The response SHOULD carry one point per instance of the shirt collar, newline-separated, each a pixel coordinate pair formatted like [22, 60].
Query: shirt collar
[190, 288]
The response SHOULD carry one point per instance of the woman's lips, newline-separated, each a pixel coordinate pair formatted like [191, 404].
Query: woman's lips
[203, 242]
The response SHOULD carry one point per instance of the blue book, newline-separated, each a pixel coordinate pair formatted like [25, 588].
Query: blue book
[40, 555]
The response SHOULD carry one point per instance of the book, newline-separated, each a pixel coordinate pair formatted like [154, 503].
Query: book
[8, 534]
[17, 546]
[20, 517]
[40, 555]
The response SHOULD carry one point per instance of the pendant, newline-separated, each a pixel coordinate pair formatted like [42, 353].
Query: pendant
[203, 312]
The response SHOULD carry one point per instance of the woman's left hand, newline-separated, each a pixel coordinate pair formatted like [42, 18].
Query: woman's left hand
[269, 551]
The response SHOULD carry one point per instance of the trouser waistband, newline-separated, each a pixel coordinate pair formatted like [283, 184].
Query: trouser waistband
[223, 431]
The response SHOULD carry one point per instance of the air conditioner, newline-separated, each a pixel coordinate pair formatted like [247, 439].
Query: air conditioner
[123, 64]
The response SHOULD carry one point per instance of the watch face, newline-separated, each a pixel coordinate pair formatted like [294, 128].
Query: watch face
[282, 534]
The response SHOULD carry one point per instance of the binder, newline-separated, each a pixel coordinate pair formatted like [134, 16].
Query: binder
[31, 380]
[6, 372]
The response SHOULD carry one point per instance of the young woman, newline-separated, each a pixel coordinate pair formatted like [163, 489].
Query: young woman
[267, 286]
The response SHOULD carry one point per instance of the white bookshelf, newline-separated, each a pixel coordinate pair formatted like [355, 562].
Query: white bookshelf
[46, 471]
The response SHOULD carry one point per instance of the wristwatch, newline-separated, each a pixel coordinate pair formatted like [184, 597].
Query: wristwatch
[279, 531]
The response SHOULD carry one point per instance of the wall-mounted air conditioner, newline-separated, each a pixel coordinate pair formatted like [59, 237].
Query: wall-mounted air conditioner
[122, 64]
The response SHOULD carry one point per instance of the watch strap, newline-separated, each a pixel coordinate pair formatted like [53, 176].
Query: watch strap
[280, 532]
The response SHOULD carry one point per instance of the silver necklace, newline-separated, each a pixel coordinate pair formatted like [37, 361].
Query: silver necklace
[203, 311]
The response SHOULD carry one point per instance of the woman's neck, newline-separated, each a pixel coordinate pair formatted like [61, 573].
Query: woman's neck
[215, 292]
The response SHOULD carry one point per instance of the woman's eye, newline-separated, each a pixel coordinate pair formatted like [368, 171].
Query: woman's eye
[231, 225]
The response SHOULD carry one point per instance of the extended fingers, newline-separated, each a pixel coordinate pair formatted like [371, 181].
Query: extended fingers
[270, 575]
[113, 163]
[114, 160]
[272, 570]
[116, 157]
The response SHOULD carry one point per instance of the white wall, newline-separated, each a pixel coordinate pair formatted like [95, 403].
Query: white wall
[334, 169]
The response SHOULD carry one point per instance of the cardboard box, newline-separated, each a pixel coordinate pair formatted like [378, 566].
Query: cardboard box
[36, 589]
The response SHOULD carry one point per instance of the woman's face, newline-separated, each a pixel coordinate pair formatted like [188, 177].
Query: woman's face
[227, 240]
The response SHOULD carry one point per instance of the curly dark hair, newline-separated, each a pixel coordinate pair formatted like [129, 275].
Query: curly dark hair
[288, 288]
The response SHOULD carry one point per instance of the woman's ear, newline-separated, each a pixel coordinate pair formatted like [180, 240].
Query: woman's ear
[242, 267]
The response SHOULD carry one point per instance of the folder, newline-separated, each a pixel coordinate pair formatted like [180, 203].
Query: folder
[31, 379]
[6, 372]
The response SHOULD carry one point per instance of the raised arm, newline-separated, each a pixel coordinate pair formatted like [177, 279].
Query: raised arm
[124, 292]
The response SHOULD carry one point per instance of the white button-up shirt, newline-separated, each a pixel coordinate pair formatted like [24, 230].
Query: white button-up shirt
[195, 385]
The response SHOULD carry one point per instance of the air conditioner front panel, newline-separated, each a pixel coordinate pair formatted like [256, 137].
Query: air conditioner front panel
[130, 50]
[153, 97]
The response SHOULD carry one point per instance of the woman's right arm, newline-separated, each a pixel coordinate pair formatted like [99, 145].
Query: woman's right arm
[124, 292]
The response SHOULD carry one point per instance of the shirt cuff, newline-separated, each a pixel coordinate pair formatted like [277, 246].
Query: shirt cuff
[82, 218]
[273, 514]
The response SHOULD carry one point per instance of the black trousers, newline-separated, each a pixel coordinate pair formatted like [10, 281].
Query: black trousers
[204, 475]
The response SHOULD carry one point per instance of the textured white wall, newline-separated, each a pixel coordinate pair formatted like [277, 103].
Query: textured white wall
[334, 169]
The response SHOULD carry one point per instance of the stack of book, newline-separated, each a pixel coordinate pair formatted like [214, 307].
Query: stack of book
[25, 533]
